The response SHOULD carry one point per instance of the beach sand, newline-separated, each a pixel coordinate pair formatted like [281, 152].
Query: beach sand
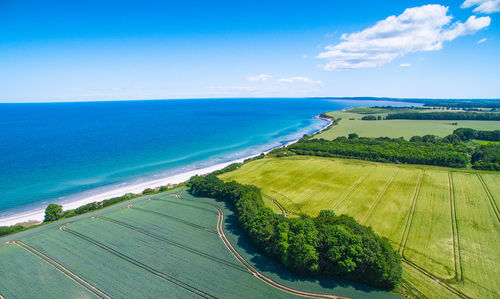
[38, 214]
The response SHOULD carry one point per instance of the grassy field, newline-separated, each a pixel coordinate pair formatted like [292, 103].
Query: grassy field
[443, 221]
[352, 123]
[166, 246]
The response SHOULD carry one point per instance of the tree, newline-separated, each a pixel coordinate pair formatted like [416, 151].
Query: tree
[53, 212]
[353, 136]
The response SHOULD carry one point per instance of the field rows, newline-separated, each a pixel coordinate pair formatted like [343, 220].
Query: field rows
[166, 247]
[444, 222]
[156, 247]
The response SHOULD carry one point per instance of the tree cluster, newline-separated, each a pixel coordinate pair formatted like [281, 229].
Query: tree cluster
[445, 116]
[467, 134]
[386, 150]
[327, 245]
[486, 157]
[371, 117]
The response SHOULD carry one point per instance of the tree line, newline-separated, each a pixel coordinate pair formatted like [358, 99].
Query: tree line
[482, 104]
[466, 134]
[385, 150]
[327, 245]
[445, 116]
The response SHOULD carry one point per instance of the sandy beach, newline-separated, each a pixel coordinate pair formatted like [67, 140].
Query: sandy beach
[38, 214]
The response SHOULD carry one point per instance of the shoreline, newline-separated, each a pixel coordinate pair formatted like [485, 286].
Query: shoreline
[38, 214]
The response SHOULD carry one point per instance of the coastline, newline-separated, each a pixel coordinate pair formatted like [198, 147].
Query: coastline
[38, 214]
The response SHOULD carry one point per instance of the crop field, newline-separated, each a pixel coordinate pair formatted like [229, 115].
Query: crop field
[154, 247]
[444, 222]
[395, 128]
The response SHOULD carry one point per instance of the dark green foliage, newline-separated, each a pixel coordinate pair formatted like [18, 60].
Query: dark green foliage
[228, 168]
[369, 117]
[281, 152]
[261, 156]
[426, 151]
[445, 116]
[327, 245]
[482, 104]
[352, 136]
[486, 157]
[466, 134]
[148, 191]
[53, 212]
[7, 230]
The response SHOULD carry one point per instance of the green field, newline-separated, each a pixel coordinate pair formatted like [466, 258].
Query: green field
[394, 128]
[166, 246]
[443, 221]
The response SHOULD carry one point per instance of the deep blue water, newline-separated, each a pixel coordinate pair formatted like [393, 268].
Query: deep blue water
[49, 151]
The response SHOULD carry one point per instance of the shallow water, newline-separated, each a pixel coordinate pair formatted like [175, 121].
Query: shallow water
[50, 151]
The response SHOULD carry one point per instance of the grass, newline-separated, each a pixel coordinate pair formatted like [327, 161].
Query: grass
[352, 123]
[148, 248]
[42, 280]
[479, 237]
[446, 220]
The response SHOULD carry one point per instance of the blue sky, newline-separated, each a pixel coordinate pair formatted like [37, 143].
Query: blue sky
[125, 50]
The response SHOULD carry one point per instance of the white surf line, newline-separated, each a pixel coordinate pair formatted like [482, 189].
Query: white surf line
[38, 214]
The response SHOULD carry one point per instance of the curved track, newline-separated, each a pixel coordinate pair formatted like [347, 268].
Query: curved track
[255, 272]
[66, 272]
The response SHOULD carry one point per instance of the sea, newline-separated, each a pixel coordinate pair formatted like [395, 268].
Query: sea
[55, 152]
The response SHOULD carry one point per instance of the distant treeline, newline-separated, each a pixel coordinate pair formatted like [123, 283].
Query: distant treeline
[482, 104]
[384, 150]
[446, 116]
[453, 150]
[326, 246]
[466, 134]
[371, 117]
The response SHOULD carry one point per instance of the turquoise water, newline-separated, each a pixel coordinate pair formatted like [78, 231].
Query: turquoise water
[51, 152]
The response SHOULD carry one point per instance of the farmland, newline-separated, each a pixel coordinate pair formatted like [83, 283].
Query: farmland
[444, 222]
[164, 245]
[351, 123]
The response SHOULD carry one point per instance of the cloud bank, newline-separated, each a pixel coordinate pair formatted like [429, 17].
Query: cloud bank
[422, 28]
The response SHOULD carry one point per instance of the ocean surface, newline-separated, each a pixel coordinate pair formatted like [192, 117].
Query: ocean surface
[55, 152]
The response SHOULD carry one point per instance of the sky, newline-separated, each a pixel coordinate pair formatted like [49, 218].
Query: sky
[53, 51]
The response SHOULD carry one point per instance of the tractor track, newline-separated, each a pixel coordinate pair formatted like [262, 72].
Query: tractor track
[380, 195]
[173, 243]
[200, 227]
[65, 271]
[254, 271]
[457, 255]
[490, 196]
[402, 247]
[139, 264]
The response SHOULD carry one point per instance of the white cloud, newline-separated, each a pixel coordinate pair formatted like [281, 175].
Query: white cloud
[422, 28]
[405, 65]
[299, 79]
[483, 6]
[262, 77]
[481, 41]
